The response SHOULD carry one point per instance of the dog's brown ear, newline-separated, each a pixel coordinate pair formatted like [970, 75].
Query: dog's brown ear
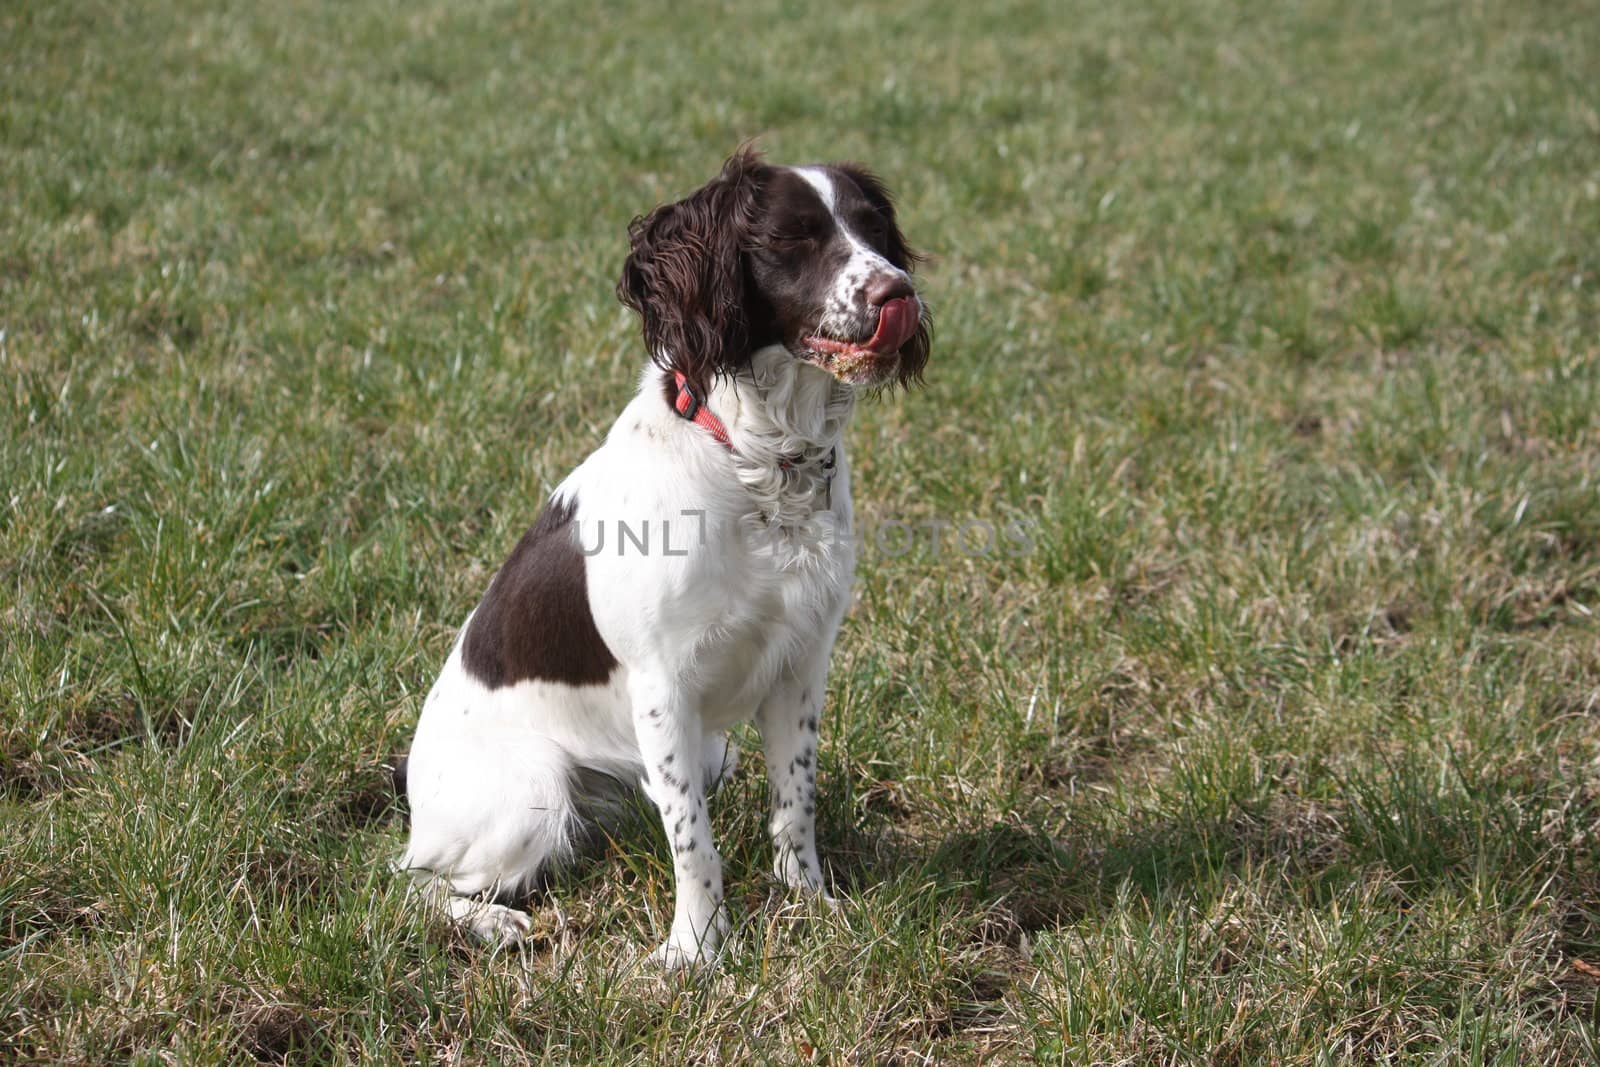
[685, 274]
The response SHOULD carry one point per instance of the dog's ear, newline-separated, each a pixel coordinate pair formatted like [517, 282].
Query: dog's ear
[685, 274]
[914, 353]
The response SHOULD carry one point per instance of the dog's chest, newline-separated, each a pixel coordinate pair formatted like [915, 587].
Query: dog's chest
[779, 610]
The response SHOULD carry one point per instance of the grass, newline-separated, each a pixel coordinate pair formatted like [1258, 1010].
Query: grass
[1276, 324]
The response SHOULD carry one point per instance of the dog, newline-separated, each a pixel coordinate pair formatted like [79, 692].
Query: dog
[692, 572]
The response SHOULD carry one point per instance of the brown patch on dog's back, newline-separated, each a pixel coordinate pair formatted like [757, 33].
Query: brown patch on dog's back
[534, 623]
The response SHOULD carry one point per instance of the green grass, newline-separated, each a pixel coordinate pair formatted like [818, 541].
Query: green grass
[1278, 323]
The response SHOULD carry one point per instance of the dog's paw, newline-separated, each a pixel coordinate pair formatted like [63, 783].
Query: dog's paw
[802, 876]
[674, 958]
[812, 895]
[691, 948]
[494, 925]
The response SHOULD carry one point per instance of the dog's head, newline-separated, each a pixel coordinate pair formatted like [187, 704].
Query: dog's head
[809, 258]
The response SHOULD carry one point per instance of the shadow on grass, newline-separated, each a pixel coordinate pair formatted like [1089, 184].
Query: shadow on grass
[1505, 838]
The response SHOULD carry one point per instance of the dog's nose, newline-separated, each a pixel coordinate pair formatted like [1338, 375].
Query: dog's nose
[887, 287]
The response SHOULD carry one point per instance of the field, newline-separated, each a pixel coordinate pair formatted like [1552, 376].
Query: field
[1276, 325]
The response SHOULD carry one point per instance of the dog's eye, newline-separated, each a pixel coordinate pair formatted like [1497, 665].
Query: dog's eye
[796, 232]
[872, 227]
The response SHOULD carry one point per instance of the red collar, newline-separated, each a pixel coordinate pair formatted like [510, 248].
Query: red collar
[689, 405]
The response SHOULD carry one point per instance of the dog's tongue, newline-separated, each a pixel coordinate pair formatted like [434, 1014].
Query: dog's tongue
[897, 321]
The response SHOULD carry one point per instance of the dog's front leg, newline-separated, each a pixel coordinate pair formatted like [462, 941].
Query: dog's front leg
[670, 742]
[789, 719]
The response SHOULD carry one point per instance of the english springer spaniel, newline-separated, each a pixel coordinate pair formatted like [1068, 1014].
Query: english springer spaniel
[692, 572]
